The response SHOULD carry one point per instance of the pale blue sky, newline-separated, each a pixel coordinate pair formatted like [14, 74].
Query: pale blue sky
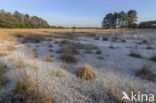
[79, 12]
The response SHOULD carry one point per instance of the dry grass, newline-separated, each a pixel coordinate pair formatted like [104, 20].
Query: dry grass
[34, 54]
[49, 59]
[20, 65]
[11, 48]
[86, 72]
[116, 94]
[11, 45]
[33, 66]
[27, 92]
[2, 54]
[61, 73]
[146, 73]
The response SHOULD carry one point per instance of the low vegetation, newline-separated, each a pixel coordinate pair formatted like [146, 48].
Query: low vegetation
[146, 73]
[153, 58]
[68, 58]
[3, 78]
[34, 54]
[20, 64]
[2, 54]
[135, 53]
[49, 59]
[86, 72]
[27, 91]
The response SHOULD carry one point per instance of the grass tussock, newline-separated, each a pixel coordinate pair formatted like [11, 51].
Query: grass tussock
[105, 39]
[149, 48]
[100, 57]
[49, 59]
[68, 50]
[2, 54]
[11, 48]
[98, 52]
[153, 58]
[68, 58]
[34, 54]
[135, 54]
[86, 72]
[33, 66]
[61, 73]
[20, 65]
[116, 93]
[28, 92]
[96, 38]
[3, 79]
[146, 73]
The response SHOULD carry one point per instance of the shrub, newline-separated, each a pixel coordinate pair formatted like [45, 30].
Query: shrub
[123, 41]
[3, 79]
[88, 51]
[98, 52]
[67, 50]
[153, 58]
[50, 46]
[146, 73]
[105, 39]
[149, 47]
[68, 58]
[100, 57]
[50, 50]
[96, 38]
[86, 72]
[135, 54]
[145, 41]
[111, 47]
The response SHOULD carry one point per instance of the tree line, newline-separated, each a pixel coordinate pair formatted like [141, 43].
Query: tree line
[120, 20]
[147, 25]
[19, 20]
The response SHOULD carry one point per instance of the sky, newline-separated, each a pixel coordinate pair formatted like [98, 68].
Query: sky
[81, 13]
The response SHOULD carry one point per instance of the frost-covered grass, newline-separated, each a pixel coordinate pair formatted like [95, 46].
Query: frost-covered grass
[51, 63]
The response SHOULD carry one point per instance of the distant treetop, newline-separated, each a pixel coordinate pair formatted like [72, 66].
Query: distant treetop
[120, 20]
[19, 20]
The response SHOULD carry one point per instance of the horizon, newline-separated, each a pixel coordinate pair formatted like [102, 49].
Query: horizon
[87, 13]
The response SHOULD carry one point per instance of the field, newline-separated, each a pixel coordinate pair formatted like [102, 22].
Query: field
[76, 65]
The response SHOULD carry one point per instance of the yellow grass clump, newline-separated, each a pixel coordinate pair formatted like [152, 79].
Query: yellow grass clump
[34, 54]
[2, 54]
[48, 59]
[20, 65]
[86, 72]
[27, 91]
[61, 73]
